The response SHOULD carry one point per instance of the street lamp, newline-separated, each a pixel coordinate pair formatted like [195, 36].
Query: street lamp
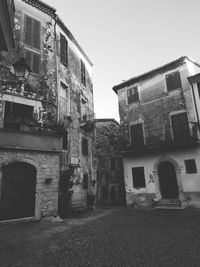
[21, 70]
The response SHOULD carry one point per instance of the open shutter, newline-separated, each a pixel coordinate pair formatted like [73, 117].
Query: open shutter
[63, 50]
[36, 34]
[36, 63]
[28, 30]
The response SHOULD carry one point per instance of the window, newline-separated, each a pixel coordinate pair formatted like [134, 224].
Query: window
[173, 81]
[85, 146]
[33, 60]
[180, 126]
[83, 79]
[190, 166]
[138, 177]
[65, 140]
[85, 181]
[17, 115]
[133, 95]
[32, 32]
[112, 164]
[136, 133]
[63, 50]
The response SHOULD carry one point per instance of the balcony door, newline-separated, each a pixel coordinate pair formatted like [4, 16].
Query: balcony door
[180, 126]
[137, 138]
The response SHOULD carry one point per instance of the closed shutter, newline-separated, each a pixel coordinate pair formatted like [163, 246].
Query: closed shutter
[63, 50]
[83, 80]
[33, 60]
[137, 138]
[32, 32]
[173, 81]
[180, 127]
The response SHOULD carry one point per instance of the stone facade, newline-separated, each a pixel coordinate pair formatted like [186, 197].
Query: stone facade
[159, 118]
[110, 179]
[50, 117]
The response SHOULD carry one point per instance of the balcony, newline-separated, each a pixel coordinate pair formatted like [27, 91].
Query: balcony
[164, 138]
[28, 137]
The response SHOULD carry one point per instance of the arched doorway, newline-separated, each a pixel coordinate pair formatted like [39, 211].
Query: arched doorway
[168, 180]
[18, 191]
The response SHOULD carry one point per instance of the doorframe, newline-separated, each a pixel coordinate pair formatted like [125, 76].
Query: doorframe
[38, 197]
[178, 177]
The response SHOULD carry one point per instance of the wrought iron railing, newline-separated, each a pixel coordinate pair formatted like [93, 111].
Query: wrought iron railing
[167, 136]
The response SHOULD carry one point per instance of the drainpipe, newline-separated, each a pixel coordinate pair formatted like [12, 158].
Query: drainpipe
[57, 84]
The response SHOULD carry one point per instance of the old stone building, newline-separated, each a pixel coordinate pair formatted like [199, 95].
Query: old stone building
[47, 120]
[159, 112]
[110, 179]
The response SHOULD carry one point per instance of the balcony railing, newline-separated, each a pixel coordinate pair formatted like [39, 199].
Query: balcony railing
[161, 137]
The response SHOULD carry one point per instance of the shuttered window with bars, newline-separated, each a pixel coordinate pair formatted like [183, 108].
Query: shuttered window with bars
[32, 32]
[83, 79]
[33, 60]
[63, 50]
[173, 81]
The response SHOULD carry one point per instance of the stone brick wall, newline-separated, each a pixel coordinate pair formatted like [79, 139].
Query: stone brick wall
[47, 166]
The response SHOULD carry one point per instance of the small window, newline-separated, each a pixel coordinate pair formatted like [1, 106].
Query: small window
[65, 140]
[138, 177]
[85, 181]
[85, 146]
[83, 79]
[63, 50]
[133, 95]
[32, 32]
[190, 166]
[33, 60]
[173, 81]
[112, 164]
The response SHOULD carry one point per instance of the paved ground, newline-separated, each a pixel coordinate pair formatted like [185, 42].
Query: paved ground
[119, 237]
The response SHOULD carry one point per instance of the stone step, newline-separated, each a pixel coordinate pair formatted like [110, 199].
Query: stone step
[169, 204]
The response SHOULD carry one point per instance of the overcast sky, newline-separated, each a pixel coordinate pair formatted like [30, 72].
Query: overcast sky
[124, 38]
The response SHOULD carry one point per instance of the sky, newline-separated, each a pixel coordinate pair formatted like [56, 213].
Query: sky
[125, 38]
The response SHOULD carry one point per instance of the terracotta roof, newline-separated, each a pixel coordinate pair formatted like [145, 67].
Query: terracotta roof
[175, 63]
[52, 12]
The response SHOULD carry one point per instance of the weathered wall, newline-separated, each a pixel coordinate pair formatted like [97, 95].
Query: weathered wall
[107, 143]
[190, 182]
[47, 166]
[156, 103]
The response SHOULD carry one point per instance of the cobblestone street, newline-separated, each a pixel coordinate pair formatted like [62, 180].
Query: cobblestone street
[118, 237]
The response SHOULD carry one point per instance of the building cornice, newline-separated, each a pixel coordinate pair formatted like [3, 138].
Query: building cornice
[147, 75]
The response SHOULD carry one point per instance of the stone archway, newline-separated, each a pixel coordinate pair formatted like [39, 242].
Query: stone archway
[176, 172]
[168, 180]
[18, 191]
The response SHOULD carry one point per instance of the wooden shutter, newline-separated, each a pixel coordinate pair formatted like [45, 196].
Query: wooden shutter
[133, 95]
[28, 30]
[36, 34]
[63, 50]
[180, 126]
[137, 138]
[32, 32]
[33, 60]
[173, 81]
[85, 146]
[83, 80]
[36, 63]
[138, 177]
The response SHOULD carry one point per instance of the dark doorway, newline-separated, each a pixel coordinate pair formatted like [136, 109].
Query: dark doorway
[113, 196]
[168, 181]
[18, 191]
